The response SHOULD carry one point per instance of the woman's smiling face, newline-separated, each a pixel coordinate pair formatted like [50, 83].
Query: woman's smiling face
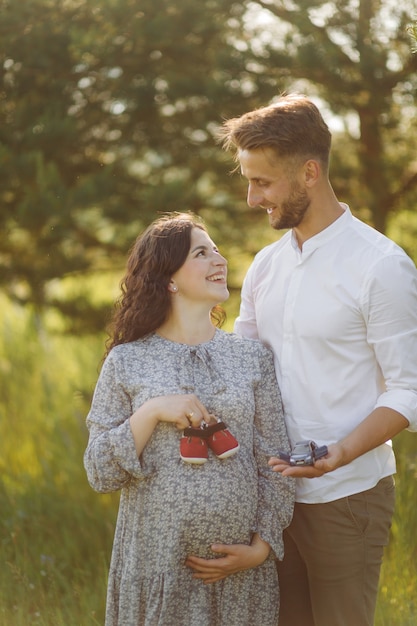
[203, 276]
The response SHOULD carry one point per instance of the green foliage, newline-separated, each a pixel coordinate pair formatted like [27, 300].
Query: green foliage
[397, 603]
[109, 111]
[110, 108]
[55, 534]
[357, 57]
[402, 228]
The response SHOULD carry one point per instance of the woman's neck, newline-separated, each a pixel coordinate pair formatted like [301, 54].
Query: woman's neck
[183, 331]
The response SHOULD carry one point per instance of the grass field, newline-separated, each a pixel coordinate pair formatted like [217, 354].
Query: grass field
[56, 533]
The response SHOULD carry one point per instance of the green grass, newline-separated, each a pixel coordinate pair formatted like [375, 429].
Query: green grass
[397, 602]
[56, 533]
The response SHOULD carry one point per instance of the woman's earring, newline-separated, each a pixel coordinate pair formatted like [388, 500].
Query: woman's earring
[173, 288]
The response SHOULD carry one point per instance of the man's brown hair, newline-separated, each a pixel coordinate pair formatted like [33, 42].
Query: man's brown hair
[292, 127]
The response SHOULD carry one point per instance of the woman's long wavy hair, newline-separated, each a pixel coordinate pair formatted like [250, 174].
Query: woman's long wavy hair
[145, 301]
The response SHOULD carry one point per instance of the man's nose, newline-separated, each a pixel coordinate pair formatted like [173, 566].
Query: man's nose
[254, 197]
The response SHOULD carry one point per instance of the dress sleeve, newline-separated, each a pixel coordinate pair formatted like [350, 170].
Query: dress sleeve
[111, 459]
[276, 493]
[390, 310]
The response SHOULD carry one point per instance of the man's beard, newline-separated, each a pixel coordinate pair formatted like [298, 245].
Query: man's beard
[293, 209]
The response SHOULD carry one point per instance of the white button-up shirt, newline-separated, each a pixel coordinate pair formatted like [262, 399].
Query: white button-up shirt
[341, 319]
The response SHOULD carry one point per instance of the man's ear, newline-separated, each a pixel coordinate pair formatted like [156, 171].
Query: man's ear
[312, 170]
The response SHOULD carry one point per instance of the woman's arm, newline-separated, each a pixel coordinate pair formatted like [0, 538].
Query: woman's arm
[118, 435]
[181, 410]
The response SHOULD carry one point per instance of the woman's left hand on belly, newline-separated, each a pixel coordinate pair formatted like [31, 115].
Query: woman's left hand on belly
[238, 557]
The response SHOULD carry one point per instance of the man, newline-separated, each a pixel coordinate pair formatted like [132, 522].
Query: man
[336, 301]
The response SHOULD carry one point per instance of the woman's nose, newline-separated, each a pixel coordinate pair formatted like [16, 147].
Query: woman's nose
[219, 259]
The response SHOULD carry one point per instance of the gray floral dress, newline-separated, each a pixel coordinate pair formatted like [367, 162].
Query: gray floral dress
[170, 509]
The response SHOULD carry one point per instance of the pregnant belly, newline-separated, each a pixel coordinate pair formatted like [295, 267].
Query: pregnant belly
[210, 507]
[226, 519]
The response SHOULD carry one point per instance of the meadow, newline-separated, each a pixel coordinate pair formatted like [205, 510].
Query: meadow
[56, 533]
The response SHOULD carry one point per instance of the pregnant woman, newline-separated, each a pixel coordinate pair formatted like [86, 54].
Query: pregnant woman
[183, 421]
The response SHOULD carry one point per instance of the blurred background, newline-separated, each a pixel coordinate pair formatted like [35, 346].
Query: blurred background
[109, 110]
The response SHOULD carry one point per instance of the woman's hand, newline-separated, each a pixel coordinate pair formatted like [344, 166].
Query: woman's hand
[181, 410]
[237, 557]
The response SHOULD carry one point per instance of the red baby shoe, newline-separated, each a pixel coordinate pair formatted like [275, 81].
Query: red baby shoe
[193, 447]
[220, 440]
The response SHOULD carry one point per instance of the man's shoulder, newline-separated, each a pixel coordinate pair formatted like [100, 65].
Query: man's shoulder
[273, 248]
[265, 259]
[370, 238]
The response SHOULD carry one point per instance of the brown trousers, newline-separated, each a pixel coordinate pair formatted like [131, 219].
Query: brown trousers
[333, 555]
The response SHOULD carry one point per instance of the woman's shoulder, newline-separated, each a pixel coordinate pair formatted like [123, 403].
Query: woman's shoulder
[130, 348]
[251, 346]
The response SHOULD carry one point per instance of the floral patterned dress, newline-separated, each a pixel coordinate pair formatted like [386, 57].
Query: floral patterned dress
[170, 509]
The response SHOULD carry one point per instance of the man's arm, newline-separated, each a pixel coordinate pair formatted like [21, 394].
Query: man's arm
[380, 426]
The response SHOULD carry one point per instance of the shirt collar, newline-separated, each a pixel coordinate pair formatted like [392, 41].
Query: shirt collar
[334, 229]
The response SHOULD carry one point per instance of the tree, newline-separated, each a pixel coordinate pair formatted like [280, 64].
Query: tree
[110, 108]
[413, 33]
[357, 57]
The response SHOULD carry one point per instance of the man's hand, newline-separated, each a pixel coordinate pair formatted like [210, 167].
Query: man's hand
[330, 462]
[237, 557]
[377, 428]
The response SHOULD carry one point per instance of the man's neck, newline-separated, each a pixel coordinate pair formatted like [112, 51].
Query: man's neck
[319, 218]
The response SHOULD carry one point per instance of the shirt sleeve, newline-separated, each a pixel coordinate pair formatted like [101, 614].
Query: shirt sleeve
[390, 307]
[110, 459]
[245, 323]
[276, 493]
